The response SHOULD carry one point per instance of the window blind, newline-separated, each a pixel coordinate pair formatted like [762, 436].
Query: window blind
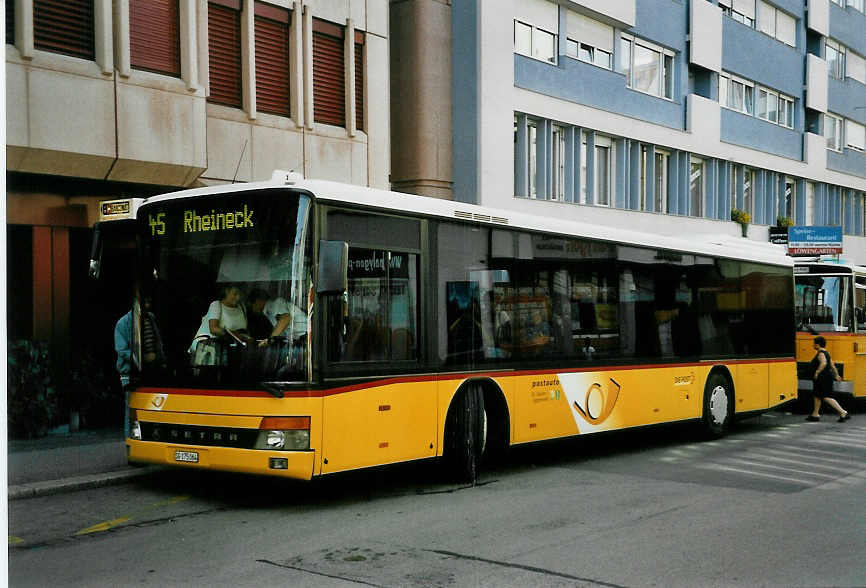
[272, 59]
[586, 30]
[359, 80]
[64, 26]
[329, 80]
[154, 36]
[224, 53]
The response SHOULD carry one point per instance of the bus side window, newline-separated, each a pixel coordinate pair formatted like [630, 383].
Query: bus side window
[381, 307]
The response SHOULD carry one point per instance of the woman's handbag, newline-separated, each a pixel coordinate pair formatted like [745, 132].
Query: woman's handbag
[210, 351]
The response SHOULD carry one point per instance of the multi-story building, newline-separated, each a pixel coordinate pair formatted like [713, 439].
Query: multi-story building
[663, 114]
[115, 98]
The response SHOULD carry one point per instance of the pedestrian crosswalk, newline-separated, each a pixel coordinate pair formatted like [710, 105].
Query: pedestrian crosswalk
[789, 455]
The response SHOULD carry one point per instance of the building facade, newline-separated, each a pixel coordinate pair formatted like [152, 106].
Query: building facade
[663, 114]
[118, 98]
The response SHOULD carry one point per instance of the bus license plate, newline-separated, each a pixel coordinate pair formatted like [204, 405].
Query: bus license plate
[186, 456]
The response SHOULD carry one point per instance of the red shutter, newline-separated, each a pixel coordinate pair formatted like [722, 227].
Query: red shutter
[224, 54]
[10, 22]
[64, 26]
[154, 36]
[359, 80]
[329, 78]
[272, 59]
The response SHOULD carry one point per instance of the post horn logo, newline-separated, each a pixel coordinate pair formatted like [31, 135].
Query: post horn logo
[158, 401]
[599, 402]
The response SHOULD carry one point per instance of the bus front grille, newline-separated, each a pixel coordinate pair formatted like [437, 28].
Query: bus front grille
[199, 435]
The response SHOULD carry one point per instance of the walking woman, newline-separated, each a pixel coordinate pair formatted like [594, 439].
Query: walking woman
[823, 375]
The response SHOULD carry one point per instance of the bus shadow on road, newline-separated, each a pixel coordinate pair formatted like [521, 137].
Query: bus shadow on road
[422, 477]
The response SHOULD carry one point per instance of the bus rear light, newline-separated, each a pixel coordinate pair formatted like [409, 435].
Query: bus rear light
[285, 423]
[279, 463]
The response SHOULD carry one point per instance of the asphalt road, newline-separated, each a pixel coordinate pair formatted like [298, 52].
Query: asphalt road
[779, 502]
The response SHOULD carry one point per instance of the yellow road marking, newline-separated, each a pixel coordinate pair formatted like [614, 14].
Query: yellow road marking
[106, 525]
[13, 540]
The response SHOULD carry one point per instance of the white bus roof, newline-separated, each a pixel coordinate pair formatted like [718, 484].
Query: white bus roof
[723, 246]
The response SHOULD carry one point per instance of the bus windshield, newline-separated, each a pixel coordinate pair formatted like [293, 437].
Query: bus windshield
[823, 303]
[224, 290]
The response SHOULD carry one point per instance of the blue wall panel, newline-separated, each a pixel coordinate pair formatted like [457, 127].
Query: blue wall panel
[593, 86]
[850, 162]
[847, 98]
[849, 27]
[750, 131]
[755, 56]
[464, 98]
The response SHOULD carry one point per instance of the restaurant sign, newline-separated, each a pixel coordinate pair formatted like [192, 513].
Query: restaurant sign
[811, 241]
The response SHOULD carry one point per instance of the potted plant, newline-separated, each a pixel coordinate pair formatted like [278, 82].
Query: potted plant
[743, 218]
[783, 222]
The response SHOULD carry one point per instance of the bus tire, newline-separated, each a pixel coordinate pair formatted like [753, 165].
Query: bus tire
[466, 433]
[718, 405]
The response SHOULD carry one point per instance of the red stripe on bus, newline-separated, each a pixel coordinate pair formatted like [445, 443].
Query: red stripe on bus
[433, 377]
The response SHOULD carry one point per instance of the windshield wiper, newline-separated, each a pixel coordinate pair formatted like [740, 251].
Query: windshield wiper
[274, 389]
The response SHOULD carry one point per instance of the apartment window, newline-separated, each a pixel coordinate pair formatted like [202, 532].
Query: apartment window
[534, 42]
[589, 40]
[661, 173]
[224, 52]
[790, 198]
[833, 132]
[786, 111]
[532, 135]
[855, 135]
[834, 53]
[742, 11]
[329, 77]
[154, 36]
[777, 24]
[855, 67]
[768, 105]
[749, 190]
[696, 187]
[558, 163]
[64, 26]
[602, 175]
[776, 108]
[644, 154]
[857, 5]
[736, 94]
[359, 80]
[272, 59]
[647, 67]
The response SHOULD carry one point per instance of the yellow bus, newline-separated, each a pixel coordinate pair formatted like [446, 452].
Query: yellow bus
[421, 328]
[831, 301]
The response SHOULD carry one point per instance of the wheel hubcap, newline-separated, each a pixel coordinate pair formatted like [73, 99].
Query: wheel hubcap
[719, 405]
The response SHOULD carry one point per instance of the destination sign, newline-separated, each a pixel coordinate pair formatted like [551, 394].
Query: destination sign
[195, 221]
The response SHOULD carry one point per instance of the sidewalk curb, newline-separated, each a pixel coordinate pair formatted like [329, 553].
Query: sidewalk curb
[48, 487]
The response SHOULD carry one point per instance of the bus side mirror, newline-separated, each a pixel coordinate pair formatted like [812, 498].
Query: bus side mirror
[333, 267]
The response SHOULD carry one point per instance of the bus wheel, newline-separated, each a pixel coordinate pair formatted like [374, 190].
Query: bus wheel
[718, 405]
[467, 433]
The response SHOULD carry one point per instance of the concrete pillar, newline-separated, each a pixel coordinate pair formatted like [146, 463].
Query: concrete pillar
[521, 166]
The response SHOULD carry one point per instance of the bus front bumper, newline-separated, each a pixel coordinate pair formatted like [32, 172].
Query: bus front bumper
[287, 464]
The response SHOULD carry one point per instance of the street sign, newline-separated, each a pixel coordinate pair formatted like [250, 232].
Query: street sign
[814, 241]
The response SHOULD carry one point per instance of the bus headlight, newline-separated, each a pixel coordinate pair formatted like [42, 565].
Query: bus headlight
[135, 430]
[284, 434]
